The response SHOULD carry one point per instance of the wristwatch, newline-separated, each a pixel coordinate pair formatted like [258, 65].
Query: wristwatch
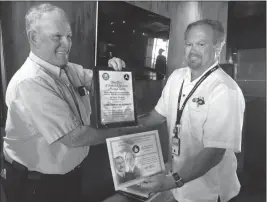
[178, 180]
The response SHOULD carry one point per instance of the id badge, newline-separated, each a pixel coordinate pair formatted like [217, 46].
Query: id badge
[176, 141]
[176, 144]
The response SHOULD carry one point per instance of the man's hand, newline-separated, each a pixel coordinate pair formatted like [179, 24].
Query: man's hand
[159, 183]
[116, 63]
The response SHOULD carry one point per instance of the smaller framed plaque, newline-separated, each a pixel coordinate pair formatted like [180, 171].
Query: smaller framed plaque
[114, 98]
[133, 158]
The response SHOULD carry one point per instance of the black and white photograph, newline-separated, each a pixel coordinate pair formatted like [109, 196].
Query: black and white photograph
[133, 101]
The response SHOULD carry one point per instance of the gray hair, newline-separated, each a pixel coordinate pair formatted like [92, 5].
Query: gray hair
[218, 30]
[35, 13]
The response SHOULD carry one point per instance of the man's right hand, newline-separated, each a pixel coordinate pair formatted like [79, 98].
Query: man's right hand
[116, 63]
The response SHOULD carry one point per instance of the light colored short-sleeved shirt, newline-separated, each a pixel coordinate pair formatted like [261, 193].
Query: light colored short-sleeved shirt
[216, 121]
[43, 106]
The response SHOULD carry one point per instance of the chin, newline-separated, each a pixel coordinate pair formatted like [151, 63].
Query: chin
[194, 66]
[63, 63]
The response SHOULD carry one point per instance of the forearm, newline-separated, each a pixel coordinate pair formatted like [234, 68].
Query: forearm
[192, 169]
[146, 122]
[152, 119]
[87, 136]
[201, 164]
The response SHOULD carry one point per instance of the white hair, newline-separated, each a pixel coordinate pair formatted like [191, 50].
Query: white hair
[35, 13]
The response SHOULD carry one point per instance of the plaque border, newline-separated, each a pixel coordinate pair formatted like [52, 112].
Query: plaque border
[97, 110]
[154, 134]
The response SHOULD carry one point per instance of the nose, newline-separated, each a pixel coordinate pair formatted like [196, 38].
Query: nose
[66, 41]
[193, 49]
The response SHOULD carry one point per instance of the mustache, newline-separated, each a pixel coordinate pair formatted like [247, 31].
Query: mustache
[194, 55]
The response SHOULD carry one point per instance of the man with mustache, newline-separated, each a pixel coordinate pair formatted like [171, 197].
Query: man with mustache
[48, 132]
[204, 109]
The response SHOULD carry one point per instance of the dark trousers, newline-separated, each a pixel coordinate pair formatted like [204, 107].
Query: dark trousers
[219, 200]
[20, 186]
[232, 200]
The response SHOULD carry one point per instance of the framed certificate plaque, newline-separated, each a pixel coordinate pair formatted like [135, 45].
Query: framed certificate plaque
[132, 158]
[114, 98]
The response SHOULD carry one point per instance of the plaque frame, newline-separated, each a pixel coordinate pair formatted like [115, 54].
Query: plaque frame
[96, 115]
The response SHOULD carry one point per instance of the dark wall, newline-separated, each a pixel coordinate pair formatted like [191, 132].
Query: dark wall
[242, 29]
[247, 38]
[254, 175]
[246, 26]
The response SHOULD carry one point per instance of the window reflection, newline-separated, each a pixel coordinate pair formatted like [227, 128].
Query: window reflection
[156, 57]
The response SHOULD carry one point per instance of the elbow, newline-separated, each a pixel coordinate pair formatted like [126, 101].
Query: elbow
[67, 141]
[75, 138]
[218, 156]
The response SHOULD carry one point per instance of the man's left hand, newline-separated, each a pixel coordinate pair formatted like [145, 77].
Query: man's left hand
[116, 63]
[158, 183]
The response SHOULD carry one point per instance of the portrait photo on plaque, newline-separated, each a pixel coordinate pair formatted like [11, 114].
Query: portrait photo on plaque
[114, 98]
[134, 157]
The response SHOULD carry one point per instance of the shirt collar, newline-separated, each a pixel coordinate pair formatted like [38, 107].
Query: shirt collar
[188, 73]
[55, 70]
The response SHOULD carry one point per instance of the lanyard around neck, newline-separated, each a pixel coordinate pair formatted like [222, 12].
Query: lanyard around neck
[180, 111]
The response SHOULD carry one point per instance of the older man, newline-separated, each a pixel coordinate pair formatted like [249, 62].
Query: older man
[48, 130]
[204, 109]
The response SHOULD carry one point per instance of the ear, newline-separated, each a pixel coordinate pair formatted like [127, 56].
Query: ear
[218, 49]
[33, 37]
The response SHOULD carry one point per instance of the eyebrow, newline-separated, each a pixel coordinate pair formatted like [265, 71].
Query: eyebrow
[58, 33]
[201, 40]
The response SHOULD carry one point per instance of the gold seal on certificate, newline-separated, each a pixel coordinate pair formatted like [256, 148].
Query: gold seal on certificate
[114, 98]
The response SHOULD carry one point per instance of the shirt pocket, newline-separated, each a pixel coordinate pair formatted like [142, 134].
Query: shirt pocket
[197, 114]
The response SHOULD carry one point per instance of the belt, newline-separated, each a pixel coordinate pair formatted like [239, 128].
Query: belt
[34, 175]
